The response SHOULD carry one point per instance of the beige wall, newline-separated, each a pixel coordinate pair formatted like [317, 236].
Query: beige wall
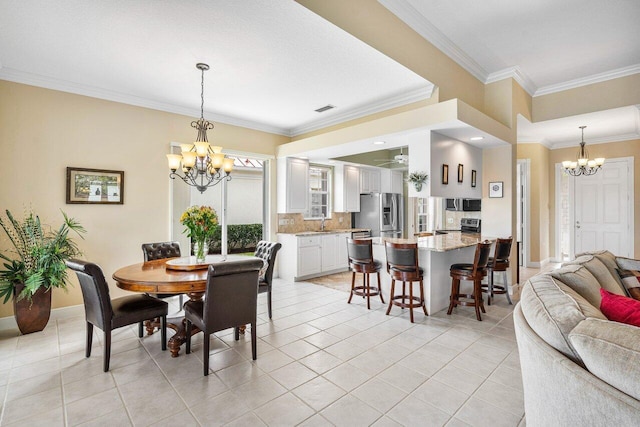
[539, 199]
[43, 131]
[610, 150]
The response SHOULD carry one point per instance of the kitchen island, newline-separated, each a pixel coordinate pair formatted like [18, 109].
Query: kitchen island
[435, 256]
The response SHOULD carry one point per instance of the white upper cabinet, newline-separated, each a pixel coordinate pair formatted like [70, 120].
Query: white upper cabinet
[293, 185]
[369, 180]
[346, 189]
[397, 182]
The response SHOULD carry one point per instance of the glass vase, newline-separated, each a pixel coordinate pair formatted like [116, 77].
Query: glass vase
[200, 250]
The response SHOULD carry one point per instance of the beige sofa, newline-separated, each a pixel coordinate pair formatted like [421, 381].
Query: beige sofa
[578, 368]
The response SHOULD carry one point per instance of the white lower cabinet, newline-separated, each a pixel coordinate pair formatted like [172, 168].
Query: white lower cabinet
[303, 257]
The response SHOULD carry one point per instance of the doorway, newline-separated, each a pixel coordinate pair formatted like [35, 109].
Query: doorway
[596, 212]
[523, 168]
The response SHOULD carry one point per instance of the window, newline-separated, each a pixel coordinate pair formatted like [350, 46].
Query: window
[319, 192]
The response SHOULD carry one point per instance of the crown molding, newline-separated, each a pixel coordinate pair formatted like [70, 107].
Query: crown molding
[595, 78]
[419, 94]
[603, 140]
[414, 19]
[542, 142]
[31, 79]
[515, 73]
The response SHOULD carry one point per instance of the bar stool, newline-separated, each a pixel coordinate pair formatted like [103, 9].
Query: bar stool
[360, 253]
[402, 265]
[473, 272]
[499, 262]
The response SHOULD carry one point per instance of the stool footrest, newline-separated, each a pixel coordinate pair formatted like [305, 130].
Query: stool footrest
[362, 291]
[413, 301]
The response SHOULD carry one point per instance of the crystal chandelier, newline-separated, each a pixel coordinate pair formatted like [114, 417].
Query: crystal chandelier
[202, 164]
[583, 166]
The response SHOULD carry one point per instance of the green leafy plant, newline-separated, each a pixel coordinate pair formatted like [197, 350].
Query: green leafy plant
[239, 237]
[201, 222]
[417, 179]
[39, 254]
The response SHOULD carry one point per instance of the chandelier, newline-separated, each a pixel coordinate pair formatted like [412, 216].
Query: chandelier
[583, 166]
[202, 164]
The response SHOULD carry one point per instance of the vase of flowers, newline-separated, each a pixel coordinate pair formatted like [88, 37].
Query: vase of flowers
[200, 223]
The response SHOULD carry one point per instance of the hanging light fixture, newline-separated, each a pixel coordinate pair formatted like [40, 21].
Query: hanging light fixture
[202, 165]
[583, 166]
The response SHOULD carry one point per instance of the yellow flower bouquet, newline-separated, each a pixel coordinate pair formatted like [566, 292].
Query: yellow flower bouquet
[200, 223]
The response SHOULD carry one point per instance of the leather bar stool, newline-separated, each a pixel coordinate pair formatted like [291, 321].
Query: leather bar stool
[499, 262]
[360, 253]
[474, 272]
[402, 265]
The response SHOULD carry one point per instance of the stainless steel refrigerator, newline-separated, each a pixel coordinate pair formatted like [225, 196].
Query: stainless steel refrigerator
[383, 213]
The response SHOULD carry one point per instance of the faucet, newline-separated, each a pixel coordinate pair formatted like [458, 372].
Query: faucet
[322, 223]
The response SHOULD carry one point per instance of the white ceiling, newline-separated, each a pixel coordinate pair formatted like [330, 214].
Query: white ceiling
[274, 62]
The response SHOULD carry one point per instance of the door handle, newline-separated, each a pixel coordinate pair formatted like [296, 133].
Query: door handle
[577, 224]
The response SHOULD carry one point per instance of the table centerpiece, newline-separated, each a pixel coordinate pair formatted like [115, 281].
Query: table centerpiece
[200, 223]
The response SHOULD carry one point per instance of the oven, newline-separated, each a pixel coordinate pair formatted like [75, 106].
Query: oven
[470, 225]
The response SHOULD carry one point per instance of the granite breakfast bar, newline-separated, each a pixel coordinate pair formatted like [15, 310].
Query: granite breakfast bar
[435, 256]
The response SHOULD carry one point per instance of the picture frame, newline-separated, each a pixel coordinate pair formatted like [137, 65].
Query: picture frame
[95, 186]
[495, 189]
[445, 174]
[473, 177]
[460, 172]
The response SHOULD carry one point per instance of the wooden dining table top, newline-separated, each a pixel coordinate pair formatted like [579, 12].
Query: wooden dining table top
[154, 277]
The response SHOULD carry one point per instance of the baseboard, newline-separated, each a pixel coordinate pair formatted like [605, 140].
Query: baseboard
[9, 322]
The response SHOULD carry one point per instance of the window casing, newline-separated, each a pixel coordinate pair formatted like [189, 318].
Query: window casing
[319, 192]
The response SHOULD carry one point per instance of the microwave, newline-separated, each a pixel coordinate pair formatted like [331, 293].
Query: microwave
[468, 205]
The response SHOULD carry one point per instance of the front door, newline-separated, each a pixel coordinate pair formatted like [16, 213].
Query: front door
[603, 212]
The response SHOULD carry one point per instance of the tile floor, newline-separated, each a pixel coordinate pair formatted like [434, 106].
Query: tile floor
[321, 362]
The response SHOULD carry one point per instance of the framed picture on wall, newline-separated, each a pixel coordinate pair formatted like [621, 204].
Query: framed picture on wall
[460, 172]
[95, 186]
[495, 189]
[445, 174]
[473, 177]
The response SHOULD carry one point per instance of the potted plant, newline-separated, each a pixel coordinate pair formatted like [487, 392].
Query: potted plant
[34, 266]
[417, 179]
[201, 222]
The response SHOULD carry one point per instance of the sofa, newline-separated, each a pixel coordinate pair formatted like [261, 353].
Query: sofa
[578, 368]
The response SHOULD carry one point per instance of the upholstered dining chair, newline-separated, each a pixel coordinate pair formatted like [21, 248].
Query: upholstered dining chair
[230, 301]
[108, 314]
[162, 250]
[267, 251]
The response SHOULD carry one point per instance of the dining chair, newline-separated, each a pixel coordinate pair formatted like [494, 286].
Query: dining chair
[473, 272]
[499, 262]
[267, 251]
[230, 301]
[360, 257]
[107, 314]
[402, 265]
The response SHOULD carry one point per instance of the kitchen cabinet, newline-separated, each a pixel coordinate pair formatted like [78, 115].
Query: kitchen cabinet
[346, 189]
[397, 182]
[293, 185]
[306, 256]
[369, 181]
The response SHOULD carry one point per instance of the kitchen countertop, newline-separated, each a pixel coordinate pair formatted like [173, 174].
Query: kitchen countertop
[336, 231]
[440, 242]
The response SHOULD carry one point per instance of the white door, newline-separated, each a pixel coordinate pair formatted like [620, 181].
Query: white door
[603, 211]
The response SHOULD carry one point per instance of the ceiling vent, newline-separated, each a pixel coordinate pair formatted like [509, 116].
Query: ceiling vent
[325, 108]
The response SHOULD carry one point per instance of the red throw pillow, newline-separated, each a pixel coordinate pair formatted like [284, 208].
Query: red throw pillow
[619, 308]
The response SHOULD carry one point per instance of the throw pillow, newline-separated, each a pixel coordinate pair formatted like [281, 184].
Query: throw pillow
[631, 281]
[620, 309]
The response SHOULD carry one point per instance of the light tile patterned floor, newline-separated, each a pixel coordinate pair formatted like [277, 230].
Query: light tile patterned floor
[320, 362]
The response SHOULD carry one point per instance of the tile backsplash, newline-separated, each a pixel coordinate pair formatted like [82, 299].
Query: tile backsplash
[295, 223]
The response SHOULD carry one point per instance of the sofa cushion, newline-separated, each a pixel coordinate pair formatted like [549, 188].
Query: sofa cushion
[607, 259]
[608, 280]
[631, 281]
[620, 308]
[610, 351]
[553, 309]
[580, 280]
